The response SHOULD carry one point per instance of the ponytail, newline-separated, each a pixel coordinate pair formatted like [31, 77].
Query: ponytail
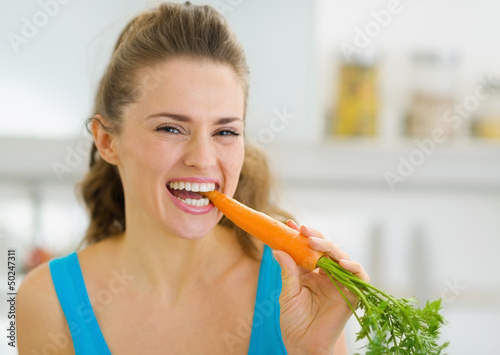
[102, 192]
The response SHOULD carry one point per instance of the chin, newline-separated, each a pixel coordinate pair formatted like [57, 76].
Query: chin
[194, 232]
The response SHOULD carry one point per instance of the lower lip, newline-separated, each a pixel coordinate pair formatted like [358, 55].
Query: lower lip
[196, 210]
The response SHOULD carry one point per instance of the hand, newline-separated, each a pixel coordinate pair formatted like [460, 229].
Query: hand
[313, 312]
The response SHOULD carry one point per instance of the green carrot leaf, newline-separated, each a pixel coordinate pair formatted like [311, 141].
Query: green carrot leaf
[390, 325]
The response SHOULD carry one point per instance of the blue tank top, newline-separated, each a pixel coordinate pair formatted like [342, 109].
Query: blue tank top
[265, 333]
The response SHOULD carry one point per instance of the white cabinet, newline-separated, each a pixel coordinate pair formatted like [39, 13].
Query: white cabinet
[436, 236]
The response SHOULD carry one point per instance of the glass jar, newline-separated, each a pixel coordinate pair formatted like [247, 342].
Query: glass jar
[486, 120]
[356, 111]
[434, 83]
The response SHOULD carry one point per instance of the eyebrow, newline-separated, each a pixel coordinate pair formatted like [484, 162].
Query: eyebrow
[182, 118]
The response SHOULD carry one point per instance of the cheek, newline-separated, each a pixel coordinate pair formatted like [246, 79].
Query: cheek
[234, 161]
[141, 158]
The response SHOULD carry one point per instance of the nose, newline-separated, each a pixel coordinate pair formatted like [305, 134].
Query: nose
[200, 153]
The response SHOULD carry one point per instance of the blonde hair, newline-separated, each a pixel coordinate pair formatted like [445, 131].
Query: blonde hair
[165, 32]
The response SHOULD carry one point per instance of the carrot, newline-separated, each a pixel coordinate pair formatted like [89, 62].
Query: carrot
[391, 325]
[275, 234]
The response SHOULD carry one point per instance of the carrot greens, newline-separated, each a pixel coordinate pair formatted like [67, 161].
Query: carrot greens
[391, 325]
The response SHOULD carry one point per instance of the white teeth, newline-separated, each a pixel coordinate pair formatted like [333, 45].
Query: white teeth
[194, 187]
[191, 186]
[198, 203]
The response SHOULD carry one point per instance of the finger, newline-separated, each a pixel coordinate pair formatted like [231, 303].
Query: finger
[356, 268]
[290, 274]
[310, 232]
[327, 247]
[290, 223]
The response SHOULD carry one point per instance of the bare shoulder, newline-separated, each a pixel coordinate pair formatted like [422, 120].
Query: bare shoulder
[41, 324]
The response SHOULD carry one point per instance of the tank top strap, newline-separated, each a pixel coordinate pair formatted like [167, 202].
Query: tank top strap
[75, 303]
[266, 331]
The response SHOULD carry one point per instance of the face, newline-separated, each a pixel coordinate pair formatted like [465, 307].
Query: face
[184, 133]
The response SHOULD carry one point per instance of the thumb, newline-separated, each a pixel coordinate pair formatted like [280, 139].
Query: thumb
[289, 274]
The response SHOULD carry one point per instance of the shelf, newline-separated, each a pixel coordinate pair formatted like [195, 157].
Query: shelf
[466, 165]
[28, 160]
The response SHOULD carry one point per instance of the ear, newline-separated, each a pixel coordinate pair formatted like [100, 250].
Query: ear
[104, 139]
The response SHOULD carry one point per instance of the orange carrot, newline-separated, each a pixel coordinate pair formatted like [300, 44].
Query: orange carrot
[275, 234]
[391, 325]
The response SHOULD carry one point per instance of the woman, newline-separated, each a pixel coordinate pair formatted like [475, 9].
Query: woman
[163, 272]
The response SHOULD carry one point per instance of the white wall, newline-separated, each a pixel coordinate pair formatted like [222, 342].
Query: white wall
[48, 83]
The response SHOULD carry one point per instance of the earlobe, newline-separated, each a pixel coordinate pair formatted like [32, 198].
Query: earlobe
[104, 139]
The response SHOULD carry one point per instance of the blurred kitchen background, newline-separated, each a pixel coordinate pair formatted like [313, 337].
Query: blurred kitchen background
[381, 118]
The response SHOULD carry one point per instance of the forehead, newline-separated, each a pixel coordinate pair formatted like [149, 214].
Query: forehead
[190, 87]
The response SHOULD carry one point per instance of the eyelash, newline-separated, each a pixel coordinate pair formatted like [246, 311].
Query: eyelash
[232, 132]
[168, 128]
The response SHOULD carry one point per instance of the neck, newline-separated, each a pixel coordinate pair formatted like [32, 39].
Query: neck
[170, 266]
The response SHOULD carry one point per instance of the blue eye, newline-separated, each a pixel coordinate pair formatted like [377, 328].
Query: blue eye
[228, 132]
[168, 129]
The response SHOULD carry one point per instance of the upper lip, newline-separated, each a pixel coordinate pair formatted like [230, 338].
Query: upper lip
[198, 179]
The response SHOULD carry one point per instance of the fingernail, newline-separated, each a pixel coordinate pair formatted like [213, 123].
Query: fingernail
[344, 261]
[316, 239]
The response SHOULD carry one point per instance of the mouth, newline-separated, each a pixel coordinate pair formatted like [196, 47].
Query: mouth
[187, 197]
